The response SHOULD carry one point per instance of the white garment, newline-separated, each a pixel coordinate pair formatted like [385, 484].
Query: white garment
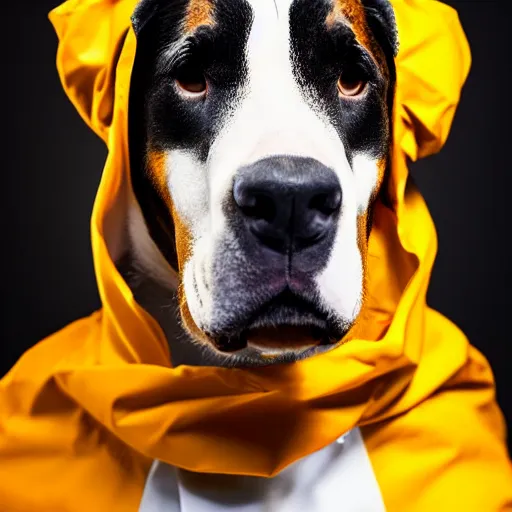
[337, 478]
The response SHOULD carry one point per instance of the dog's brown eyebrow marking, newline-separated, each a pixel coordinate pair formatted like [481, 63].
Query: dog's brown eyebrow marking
[199, 12]
[353, 12]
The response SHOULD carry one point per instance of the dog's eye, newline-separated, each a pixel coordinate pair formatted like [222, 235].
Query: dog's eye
[191, 81]
[351, 85]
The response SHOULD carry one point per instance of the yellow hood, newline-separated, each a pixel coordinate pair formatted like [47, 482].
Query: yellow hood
[115, 365]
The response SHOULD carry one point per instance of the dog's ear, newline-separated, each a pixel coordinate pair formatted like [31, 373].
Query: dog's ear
[381, 20]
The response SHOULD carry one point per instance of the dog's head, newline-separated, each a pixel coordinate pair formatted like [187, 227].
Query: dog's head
[263, 128]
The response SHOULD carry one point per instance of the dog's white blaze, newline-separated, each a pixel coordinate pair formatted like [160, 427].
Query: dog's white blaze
[273, 117]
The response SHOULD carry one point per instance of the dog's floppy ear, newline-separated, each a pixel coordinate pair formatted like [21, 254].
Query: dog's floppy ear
[381, 19]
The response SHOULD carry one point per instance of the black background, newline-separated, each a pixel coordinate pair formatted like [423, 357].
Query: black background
[51, 165]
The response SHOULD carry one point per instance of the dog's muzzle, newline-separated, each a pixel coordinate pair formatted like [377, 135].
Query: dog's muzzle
[283, 216]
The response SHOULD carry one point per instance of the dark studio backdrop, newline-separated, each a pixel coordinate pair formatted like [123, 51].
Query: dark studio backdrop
[51, 166]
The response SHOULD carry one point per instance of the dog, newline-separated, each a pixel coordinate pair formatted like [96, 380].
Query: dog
[255, 201]
[260, 137]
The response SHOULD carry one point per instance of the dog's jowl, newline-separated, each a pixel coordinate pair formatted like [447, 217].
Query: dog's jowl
[266, 129]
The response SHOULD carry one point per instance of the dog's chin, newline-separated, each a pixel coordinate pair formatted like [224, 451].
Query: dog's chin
[284, 329]
[271, 345]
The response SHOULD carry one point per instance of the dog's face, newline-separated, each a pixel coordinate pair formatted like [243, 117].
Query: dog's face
[266, 133]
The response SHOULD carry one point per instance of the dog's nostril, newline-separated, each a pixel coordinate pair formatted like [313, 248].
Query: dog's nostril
[261, 207]
[326, 203]
[254, 204]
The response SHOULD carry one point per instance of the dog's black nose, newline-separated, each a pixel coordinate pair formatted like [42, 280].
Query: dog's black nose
[288, 202]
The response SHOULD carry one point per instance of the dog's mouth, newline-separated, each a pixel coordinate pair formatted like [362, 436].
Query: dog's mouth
[285, 323]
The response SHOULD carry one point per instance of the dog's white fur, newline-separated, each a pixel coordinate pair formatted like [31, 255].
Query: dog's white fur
[272, 116]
